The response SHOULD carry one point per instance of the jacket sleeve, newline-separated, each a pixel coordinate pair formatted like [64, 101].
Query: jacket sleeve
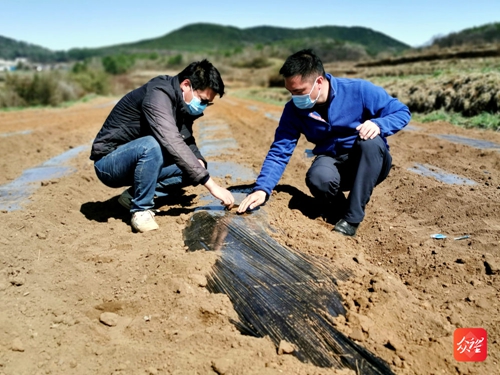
[285, 140]
[187, 134]
[197, 152]
[158, 110]
[387, 112]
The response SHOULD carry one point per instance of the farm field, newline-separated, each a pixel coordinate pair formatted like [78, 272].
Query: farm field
[69, 256]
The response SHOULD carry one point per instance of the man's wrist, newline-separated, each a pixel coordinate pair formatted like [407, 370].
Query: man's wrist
[205, 180]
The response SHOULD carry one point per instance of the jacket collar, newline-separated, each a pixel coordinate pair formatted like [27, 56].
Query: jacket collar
[333, 87]
[331, 95]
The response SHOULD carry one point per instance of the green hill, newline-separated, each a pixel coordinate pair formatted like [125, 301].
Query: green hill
[373, 41]
[11, 49]
[208, 36]
[489, 33]
[203, 37]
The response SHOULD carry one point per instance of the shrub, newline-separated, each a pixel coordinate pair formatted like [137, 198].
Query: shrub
[10, 98]
[153, 56]
[92, 81]
[276, 80]
[175, 60]
[51, 88]
[258, 62]
[37, 89]
[118, 64]
[79, 67]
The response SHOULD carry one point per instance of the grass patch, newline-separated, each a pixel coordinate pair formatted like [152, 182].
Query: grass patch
[482, 121]
[85, 99]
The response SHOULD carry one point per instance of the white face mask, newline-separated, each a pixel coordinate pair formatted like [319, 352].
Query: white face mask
[305, 101]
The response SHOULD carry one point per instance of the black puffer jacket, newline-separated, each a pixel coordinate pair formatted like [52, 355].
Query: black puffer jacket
[158, 109]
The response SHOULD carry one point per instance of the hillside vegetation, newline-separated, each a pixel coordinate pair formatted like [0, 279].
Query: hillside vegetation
[474, 36]
[456, 79]
[459, 83]
[227, 40]
[462, 91]
[203, 37]
[11, 49]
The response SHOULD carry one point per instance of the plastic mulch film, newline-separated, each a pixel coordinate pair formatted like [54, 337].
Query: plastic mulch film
[278, 292]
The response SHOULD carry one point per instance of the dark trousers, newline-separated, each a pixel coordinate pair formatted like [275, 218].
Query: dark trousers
[366, 165]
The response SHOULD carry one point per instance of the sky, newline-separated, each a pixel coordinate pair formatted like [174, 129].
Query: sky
[66, 24]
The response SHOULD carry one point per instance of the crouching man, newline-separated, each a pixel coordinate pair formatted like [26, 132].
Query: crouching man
[147, 143]
[348, 120]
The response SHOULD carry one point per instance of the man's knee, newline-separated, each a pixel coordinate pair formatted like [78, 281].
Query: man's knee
[375, 145]
[322, 181]
[150, 146]
[376, 151]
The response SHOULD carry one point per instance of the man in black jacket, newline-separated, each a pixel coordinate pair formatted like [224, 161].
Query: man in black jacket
[147, 141]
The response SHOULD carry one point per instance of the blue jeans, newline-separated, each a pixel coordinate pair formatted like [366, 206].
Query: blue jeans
[143, 165]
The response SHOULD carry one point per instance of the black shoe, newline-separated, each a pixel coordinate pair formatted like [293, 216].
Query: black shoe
[345, 228]
[334, 210]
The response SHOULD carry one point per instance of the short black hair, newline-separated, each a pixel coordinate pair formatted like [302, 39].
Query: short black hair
[303, 63]
[203, 75]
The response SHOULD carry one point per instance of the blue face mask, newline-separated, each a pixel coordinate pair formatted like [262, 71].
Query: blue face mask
[194, 106]
[305, 101]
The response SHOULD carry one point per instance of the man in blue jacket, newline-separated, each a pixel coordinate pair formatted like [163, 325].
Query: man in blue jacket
[348, 120]
[147, 141]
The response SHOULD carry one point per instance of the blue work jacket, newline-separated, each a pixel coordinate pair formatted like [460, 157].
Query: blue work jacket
[351, 102]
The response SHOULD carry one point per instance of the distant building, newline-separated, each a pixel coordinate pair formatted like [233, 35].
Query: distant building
[23, 63]
[21, 60]
[7, 65]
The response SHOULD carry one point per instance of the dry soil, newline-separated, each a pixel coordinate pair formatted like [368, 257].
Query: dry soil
[70, 255]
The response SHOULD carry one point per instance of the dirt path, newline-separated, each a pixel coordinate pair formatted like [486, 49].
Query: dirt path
[70, 255]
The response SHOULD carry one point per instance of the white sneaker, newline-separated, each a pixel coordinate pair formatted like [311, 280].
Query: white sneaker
[144, 221]
[125, 199]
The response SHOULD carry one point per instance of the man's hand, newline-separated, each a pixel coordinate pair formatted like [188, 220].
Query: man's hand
[221, 193]
[252, 201]
[368, 130]
[201, 162]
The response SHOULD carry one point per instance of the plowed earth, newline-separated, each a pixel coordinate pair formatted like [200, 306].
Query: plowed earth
[69, 256]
